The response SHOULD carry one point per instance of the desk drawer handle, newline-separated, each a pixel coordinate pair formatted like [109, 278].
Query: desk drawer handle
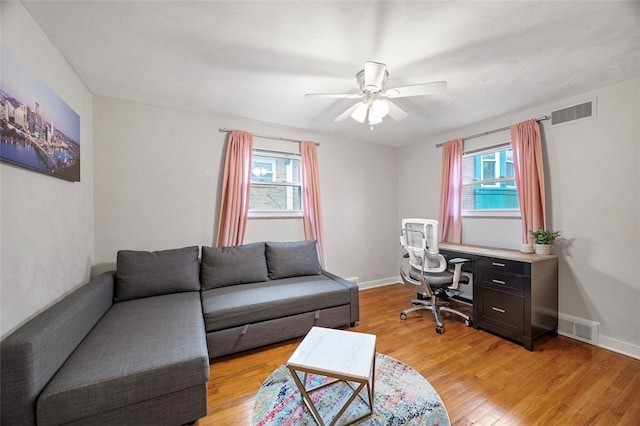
[499, 282]
[502, 311]
[502, 265]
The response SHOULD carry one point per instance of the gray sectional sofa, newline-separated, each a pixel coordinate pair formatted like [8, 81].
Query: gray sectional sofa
[132, 346]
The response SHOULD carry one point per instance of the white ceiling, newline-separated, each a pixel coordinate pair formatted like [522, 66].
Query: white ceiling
[257, 59]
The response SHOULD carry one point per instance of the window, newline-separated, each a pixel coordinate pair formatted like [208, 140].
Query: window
[488, 182]
[275, 185]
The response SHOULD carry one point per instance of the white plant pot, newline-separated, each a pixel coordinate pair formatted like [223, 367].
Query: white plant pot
[543, 249]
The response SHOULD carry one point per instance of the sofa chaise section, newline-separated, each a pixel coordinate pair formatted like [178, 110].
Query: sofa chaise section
[141, 351]
[30, 356]
[127, 348]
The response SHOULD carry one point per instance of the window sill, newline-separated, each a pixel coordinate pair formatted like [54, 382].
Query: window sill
[275, 215]
[492, 214]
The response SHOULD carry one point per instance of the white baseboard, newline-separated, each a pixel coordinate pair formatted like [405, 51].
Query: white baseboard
[378, 283]
[620, 347]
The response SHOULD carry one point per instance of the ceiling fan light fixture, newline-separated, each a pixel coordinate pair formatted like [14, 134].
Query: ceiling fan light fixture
[379, 108]
[373, 119]
[360, 113]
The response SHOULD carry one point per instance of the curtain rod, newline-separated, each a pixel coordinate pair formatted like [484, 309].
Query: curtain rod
[258, 135]
[544, 117]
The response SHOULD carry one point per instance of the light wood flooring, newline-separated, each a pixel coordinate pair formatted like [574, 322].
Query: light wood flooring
[482, 379]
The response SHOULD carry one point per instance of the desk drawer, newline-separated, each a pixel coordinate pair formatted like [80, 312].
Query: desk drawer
[504, 282]
[490, 264]
[503, 309]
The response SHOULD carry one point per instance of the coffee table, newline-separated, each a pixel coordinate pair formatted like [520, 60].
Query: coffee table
[344, 356]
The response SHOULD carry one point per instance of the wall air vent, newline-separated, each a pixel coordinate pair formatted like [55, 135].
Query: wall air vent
[579, 328]
[583, 111]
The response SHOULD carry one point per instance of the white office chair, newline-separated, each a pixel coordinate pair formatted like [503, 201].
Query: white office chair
[428, 273]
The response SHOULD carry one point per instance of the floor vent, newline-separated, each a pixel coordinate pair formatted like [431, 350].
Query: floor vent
[577, 112]
[579, 328]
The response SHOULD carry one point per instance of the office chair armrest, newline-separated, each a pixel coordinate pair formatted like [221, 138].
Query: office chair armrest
[457, 262]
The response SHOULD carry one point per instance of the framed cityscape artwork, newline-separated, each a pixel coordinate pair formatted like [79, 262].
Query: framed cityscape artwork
[38, 130]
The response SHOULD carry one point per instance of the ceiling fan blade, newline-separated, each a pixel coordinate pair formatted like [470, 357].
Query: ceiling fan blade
[334, 95]
[396, 112]
[373, 75]
[417, 90]
[347, 113]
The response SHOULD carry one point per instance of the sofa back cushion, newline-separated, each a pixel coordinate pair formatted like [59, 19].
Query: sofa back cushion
[292, 259]
[143, 274]
[225, 266]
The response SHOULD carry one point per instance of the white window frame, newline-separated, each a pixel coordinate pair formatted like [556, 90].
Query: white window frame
[491, 213]
[490, 183]
[277, 214]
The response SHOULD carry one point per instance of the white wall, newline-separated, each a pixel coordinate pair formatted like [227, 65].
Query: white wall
[157, 185]
[593, 196]
[46, 223]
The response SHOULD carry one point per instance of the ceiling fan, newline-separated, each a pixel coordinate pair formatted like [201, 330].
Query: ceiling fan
[376, 104]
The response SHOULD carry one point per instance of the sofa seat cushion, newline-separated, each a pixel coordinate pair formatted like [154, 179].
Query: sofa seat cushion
[249, 303]
[139, 350]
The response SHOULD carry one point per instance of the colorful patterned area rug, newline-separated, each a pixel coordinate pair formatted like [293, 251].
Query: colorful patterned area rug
[401, 397]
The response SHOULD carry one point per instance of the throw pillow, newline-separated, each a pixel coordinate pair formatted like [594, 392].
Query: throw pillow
[292, 259]
[225, 266]
[143, 273]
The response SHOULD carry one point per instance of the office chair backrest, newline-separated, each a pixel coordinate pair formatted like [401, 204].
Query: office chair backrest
[419, 237]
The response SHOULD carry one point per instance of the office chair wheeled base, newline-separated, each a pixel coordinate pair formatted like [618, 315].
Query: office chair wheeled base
[426, 304]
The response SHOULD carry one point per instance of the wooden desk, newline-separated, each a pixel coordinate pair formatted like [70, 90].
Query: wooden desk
[515, 295]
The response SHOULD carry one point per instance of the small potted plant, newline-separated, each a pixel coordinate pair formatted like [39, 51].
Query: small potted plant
[542, 240]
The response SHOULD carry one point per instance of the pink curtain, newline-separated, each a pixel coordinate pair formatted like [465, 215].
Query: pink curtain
[234, 206]
[311, 208]
[527, 159]
[451, 192]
